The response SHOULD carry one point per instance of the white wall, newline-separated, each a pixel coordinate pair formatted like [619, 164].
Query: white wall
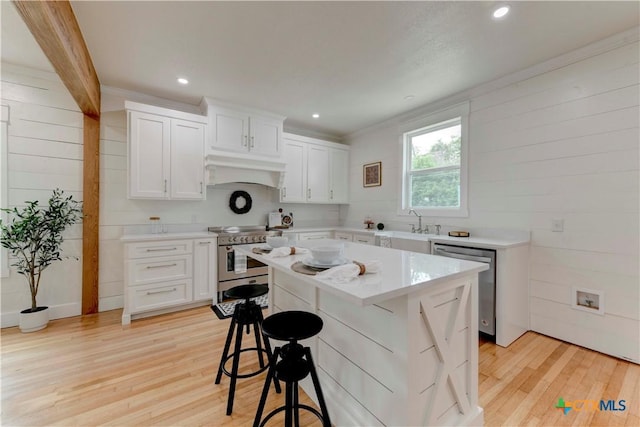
[45, 152]
[562, 144]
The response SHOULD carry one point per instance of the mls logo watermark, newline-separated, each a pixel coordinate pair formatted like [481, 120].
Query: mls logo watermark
[591, 405]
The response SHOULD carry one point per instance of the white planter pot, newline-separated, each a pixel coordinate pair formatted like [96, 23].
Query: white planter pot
[34, 321]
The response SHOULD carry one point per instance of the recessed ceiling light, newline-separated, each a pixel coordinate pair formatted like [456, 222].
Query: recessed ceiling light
[409, 97]
[501, 12]
[183, 81]
[315, 115]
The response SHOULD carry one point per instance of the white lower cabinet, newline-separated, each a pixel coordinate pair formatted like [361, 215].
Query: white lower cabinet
[155, 296]
[365, 239]
[341, 235]
[205, 265]
[314, 235]
[168, 275]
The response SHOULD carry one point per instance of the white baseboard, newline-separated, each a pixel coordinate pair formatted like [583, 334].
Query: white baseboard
[111, 303]
[10, 319]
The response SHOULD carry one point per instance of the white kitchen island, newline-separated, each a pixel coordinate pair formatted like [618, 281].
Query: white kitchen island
[399, 347]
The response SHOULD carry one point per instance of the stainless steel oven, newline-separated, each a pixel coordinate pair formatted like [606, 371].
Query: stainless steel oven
[255, 272]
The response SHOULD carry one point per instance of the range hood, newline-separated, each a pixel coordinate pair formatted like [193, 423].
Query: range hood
[227, 167]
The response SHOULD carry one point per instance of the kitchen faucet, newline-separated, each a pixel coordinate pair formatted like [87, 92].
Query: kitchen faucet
[419, 230]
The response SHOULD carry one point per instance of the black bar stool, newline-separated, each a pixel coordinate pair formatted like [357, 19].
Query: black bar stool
[246, 313]
[294, 365]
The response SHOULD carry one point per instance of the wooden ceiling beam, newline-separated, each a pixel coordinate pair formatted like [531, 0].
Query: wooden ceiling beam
[55, 28]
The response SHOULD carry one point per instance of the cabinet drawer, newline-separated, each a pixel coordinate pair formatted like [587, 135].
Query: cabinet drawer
[159, 269]
[159, 295]
[158, 249]
[365, 239]
[343, 236]
[314, 236]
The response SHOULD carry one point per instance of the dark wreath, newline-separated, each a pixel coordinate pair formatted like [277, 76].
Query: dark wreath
[233, 202]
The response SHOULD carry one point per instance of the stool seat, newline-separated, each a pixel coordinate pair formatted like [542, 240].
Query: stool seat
[292, 325]
[246, 291]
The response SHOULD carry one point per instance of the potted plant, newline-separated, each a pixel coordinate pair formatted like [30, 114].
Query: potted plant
[33, 236]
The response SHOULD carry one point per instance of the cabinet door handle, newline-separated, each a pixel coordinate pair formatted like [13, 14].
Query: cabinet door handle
[331, 194]
[162, 249]
[165, 185]
[284, 191]
[200, 187]
[245, 141]
[252, 142]
[165, 291]
[204, 243]
[308, 193]
[161, 266]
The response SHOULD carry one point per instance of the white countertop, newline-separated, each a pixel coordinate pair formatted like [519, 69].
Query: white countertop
[498, 242]
[491, 242]
[402, 272]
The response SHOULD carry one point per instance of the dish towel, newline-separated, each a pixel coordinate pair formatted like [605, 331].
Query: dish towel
[347, 272]
[286, 251]
[239, 262]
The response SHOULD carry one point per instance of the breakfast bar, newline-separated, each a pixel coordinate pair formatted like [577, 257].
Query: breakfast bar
[399, 346]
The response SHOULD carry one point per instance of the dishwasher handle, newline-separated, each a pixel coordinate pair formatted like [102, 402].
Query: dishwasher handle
[442, 252]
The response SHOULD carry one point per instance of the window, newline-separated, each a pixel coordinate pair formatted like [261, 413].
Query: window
[434, 168]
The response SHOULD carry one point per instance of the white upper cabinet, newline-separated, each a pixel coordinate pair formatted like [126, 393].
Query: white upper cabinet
[339, 176]
[294, 187]
[243, 131]
[316, 171]
[166, 153]
[317, 174]
[187, 160]
[149, 148]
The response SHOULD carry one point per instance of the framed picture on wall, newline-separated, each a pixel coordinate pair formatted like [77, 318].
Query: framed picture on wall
[372, 174]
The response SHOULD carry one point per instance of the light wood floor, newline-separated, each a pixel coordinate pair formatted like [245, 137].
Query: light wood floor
[160, 371]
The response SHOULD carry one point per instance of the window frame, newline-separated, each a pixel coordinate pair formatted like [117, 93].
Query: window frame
[434, 120]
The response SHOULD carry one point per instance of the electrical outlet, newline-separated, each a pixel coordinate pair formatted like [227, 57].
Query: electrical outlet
[557, 225]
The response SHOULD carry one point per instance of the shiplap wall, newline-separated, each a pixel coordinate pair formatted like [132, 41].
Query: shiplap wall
[563, 144]
[44, 153]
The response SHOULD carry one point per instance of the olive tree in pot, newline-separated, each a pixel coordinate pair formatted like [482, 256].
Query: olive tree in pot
[33, 236]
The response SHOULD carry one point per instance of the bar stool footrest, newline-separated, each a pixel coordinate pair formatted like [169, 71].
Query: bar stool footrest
[250, 374]
[276, 411]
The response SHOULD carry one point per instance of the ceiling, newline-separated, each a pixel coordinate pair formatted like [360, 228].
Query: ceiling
[353, 63]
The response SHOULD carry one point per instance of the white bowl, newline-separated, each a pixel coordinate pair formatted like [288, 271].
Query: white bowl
[327, 254]
[277, 241]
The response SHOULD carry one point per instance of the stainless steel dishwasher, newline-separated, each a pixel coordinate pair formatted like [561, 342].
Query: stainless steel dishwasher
[486, 281]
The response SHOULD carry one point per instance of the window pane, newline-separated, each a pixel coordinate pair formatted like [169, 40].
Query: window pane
[436, 148]
[437, 189]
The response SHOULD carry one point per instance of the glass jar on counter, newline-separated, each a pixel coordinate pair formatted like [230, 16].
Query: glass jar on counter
[156, 225]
